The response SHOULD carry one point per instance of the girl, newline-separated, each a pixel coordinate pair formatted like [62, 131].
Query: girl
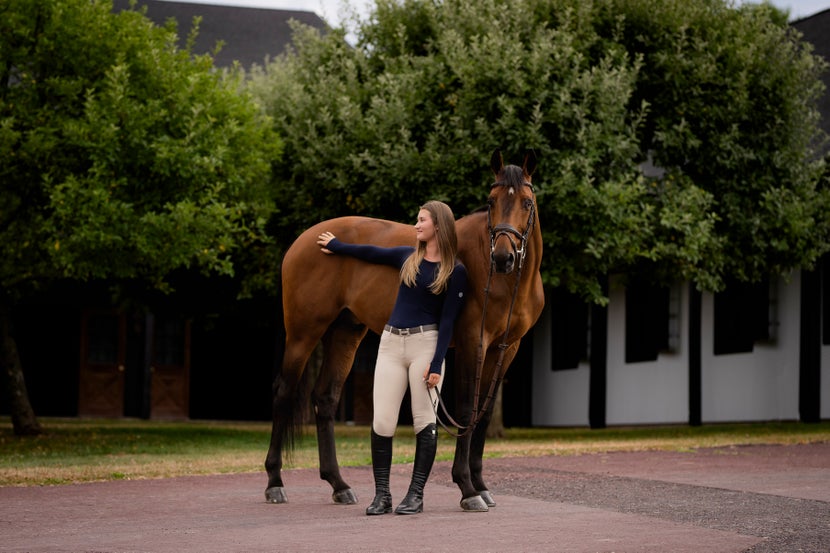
[413, 344]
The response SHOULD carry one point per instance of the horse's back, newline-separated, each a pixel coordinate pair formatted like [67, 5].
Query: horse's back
[317, 287]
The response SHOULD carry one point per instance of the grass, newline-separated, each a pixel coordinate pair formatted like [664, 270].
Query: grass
[85, 450]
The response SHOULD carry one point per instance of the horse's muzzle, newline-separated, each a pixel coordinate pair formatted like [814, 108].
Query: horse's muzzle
[503, 261]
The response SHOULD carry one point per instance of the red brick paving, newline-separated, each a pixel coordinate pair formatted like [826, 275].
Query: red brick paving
[228, 513]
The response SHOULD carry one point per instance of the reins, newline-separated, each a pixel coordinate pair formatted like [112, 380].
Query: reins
[500, 230]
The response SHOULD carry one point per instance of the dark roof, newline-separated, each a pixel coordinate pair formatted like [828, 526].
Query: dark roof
[249, 34]
[816, 31]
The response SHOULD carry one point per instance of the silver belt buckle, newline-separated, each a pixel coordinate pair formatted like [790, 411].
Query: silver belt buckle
[404, 331]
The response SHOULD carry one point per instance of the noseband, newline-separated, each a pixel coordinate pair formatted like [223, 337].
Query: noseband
[518, 240]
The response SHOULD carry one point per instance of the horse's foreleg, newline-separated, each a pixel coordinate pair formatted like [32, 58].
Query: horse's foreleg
[339, 346]
[480, 436]
[465, 388]
[476, 458]
[471, 500]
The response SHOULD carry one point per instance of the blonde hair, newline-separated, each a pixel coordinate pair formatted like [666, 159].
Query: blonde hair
[444, 222]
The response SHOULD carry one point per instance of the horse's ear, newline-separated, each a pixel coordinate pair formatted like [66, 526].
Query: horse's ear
[530, 162]
[496, 162]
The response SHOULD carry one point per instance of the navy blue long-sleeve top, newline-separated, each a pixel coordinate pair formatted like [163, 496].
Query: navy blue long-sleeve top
[417, 305]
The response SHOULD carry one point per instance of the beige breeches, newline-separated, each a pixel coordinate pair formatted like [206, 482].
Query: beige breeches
[401, 363]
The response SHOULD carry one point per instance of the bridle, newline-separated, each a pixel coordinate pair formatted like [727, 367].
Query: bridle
[520, 251]
[509, 231]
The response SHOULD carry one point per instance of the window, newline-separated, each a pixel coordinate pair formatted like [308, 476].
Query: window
[169, 341]
[651, 321]
[102, 339]
[745, 313]
[569, 330]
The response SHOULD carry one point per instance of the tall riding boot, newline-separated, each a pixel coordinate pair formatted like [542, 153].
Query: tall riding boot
[381, 463]
[425, 447]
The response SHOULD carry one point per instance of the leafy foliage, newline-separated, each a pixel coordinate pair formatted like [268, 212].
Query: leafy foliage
[723, 100]
[121, 155]
[732, 113]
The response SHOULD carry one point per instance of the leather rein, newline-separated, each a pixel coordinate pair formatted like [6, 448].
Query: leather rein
[518, 242]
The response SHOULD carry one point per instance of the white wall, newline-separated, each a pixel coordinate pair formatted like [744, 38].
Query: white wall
[560, 398]
[757, 386]
[650, 392]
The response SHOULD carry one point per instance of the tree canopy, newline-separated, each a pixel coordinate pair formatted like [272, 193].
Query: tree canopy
[121, 155]
[721, 99]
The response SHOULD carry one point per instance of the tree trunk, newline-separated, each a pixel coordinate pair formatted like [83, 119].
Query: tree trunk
[24, 421]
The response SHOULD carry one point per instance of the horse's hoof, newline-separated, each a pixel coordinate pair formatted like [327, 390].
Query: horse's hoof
[276, 495]
[474, 504]
[488, 498]
[344, 497]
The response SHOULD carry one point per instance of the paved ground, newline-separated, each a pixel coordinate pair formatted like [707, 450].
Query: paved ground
[758, 499]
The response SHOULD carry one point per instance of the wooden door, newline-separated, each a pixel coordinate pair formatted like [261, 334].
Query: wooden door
[170, 368]
[103, 353]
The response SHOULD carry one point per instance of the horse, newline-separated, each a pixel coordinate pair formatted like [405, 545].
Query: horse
[336, 300]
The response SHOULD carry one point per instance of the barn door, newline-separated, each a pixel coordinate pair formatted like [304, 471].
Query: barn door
[103, 353]
[170, 368]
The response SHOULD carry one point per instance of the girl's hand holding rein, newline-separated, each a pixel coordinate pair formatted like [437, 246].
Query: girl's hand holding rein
[431, 379]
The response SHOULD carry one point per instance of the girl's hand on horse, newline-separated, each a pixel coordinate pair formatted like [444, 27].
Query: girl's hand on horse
[431, 379]
[323, 241]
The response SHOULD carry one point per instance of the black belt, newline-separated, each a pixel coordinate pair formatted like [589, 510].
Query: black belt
[408, 331]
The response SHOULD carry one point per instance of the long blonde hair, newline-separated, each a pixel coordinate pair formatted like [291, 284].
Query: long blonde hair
[444, 222]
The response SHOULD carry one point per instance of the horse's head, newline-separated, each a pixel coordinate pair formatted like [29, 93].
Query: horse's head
[511, 212]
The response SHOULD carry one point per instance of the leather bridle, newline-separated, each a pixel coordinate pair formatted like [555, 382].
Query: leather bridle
[509, 231]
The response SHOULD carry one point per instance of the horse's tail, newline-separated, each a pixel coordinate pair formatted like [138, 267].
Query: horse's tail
[291, 404]
[295, 412]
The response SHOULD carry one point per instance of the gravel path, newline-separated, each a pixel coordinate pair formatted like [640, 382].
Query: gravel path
[786, 523]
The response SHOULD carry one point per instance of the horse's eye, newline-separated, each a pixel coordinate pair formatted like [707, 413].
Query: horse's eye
[491, 201]
[528, 203]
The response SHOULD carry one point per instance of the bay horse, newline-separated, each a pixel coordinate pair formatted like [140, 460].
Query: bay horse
[336, 299]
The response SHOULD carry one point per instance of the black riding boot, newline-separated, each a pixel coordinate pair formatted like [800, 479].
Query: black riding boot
[425, 447]
[381, 462]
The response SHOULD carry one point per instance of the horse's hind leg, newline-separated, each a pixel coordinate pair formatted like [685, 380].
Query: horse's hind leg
[297, 352]
[339, 345]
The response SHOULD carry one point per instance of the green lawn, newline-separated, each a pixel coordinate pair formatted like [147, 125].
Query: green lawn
[83, 450]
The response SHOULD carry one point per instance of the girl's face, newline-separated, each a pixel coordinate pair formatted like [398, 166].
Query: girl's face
[425, 227]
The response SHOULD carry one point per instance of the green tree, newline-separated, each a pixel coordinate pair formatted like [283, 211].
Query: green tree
[121, 156]
[414, 111]
[722, 99]
[732, 96]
